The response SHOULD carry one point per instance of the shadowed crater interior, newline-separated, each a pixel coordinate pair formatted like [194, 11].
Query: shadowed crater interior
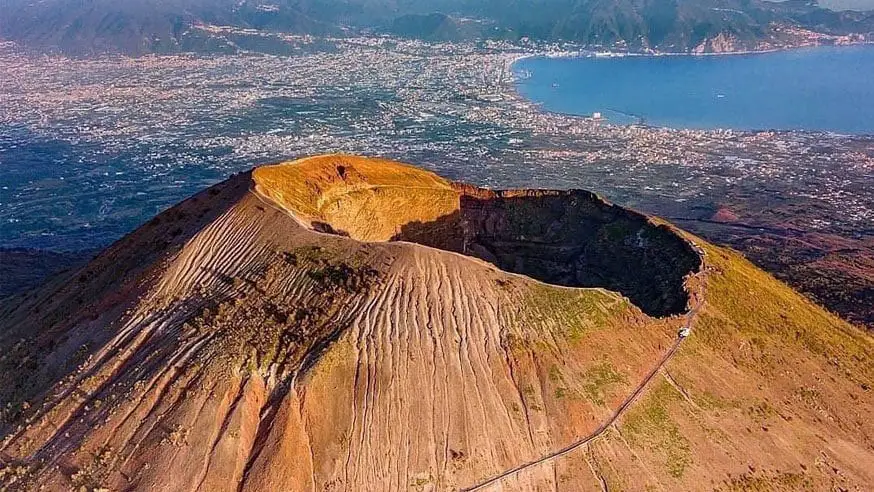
[570, 238]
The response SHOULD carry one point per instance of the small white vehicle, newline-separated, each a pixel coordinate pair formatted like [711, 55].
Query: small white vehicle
[684, 332]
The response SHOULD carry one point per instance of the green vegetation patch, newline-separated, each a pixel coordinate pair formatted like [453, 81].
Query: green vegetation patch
[420, 482]
[710, 401]
[648, 425]
[747, 304]
[766, 481]
[600, 379]
[572, 313]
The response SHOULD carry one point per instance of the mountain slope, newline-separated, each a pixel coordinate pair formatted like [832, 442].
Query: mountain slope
[171, 26]
[227, 345]
[148, 26]
[675, 25]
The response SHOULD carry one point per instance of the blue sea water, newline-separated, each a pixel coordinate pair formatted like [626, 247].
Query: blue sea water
[824, 88]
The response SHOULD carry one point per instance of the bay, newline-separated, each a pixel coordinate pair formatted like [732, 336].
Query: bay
[817, 89]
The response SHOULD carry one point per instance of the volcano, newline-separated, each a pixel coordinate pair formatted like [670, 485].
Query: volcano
[348, 323]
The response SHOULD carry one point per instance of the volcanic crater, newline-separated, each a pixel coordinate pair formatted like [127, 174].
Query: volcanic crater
[570, 238]
[239, 342]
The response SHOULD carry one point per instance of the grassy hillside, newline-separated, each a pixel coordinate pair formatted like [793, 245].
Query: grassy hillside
[769, 393]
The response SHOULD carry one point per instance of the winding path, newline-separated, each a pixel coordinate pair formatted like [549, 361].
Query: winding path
[606, 424]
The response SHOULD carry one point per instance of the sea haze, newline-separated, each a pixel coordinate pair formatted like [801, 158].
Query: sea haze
[825, 88]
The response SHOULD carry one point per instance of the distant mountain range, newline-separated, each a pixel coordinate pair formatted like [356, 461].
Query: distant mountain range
[146, 26]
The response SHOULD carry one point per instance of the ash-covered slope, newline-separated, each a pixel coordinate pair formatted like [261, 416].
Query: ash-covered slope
[230, 345]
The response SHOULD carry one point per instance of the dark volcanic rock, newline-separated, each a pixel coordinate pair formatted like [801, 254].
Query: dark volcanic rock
[571, 238]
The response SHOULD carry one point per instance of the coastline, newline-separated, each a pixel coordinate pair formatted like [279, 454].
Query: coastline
[626, 54]
[640, 122]
[514, 94]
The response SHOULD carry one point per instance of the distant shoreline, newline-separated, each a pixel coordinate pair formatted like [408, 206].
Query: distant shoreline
[621, 54]
[642, 121]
